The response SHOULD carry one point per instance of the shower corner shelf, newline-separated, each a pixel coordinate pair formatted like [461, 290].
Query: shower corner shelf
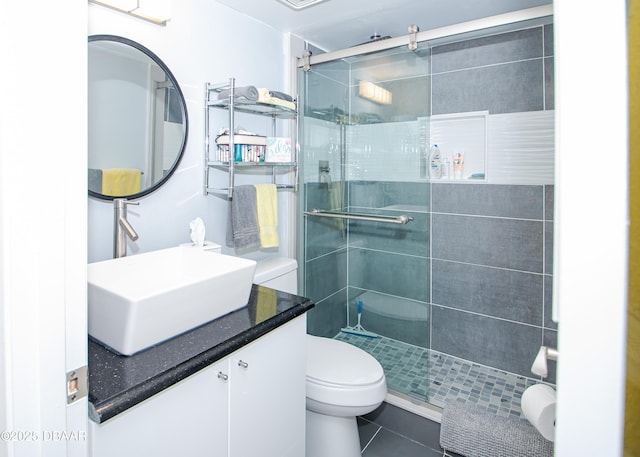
[234, 105]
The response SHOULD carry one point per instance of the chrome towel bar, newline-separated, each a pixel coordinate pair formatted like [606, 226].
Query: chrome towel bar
[402, 219]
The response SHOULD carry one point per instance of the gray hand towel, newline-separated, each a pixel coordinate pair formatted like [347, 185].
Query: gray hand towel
[281, 95]
[242, 223]
[244, 93]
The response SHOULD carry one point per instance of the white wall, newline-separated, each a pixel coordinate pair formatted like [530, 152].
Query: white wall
[203, 42]
[43, 217]
[590, 273]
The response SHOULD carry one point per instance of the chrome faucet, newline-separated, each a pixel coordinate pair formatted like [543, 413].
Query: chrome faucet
[121, 227]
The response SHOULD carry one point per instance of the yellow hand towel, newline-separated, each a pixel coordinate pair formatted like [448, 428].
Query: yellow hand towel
[267, 212]
[266, 304]
[119, 182]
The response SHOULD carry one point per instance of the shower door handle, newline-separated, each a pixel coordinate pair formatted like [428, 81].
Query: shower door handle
[402, 219]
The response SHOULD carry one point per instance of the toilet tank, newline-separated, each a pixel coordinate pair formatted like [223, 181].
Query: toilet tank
[280, 273]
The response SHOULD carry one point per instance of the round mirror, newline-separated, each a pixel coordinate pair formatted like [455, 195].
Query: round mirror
[137, 119]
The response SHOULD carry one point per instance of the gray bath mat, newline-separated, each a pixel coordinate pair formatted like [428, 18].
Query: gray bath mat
[470, 431]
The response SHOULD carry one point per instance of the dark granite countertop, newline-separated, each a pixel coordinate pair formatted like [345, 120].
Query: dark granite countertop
[118, 382]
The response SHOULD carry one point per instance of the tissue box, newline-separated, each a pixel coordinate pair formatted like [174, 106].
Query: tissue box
[278, 149]
[209, 246]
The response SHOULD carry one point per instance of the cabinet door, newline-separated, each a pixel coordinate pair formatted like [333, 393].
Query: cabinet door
[267, 394]
[189, 418]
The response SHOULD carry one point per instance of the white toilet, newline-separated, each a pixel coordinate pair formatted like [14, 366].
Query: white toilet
[343, 381]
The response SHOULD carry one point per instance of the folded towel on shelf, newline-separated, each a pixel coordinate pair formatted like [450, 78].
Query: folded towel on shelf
[469, 430]
[280, 95]
[119, 182]
[242, 223]
[267, 211]
[241, 93]
[264, 96]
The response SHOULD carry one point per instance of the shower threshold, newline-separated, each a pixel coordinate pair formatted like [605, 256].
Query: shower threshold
[419, 379]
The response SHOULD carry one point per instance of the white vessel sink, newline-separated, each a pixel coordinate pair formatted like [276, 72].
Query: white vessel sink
[138, 301]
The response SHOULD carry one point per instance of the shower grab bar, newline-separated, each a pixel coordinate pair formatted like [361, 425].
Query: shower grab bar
[402, 219]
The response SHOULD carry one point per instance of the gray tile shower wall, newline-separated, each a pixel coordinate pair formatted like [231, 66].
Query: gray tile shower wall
[504, 73]
[389, 273]
[323, 236]
[325, 262]
[490, 289]
[326, 285]
[490, 50]
[494, 292]
[508, 88]
[497, 242]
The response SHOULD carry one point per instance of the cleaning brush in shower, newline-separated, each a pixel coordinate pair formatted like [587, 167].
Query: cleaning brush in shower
[359, 329]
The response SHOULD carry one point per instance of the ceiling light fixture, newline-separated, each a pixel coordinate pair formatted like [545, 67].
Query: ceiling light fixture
[156, 11]
[375, 93]
[300, 4]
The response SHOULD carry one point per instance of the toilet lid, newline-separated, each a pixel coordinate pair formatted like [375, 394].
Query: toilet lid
[336, 362]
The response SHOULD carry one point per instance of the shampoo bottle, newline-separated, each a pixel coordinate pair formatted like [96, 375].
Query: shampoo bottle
[435, 162]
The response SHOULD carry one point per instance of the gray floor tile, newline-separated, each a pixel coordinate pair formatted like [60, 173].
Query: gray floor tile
[389, 444]
[367, 431]
[407, 424]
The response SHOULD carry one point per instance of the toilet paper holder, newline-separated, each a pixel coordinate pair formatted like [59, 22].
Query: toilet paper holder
[539, 366]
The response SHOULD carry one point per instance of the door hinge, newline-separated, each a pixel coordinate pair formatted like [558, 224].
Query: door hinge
[413, 43]
[77, 384]
[306, 63]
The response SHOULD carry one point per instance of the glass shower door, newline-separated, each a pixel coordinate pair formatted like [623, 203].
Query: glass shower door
[364, 150]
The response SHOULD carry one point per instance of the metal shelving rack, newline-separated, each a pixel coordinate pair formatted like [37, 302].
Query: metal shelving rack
[252, 107]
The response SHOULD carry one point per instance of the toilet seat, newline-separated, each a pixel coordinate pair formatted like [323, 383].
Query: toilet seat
[338, 364]
[342, 375]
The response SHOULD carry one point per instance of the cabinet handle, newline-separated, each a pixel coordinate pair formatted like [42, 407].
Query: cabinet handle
[243, 364]
[222, 376]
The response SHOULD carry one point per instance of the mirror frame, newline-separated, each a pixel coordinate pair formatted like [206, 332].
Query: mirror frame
[173, 80]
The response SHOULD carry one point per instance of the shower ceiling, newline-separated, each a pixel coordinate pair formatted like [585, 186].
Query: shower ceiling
[339, 24]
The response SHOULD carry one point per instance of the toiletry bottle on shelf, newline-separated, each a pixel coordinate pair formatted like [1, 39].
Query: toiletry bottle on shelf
[435, 162]
[446, 168]
[458, 165]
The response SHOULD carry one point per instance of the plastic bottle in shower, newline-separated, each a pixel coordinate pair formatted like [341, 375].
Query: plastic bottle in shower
[446, 169]
[435, 162]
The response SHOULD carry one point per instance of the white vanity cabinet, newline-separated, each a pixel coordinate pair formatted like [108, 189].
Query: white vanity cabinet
[267, 401]
[250, 403]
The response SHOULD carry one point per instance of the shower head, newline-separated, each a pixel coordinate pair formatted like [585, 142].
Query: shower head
[373, 38]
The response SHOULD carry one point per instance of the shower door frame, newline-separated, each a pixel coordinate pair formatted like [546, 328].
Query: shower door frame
[529, 14]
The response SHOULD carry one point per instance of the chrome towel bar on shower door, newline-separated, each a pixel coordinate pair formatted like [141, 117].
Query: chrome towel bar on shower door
[402, 219]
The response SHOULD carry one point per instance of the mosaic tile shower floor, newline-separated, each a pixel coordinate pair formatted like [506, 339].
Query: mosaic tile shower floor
[431, 376]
